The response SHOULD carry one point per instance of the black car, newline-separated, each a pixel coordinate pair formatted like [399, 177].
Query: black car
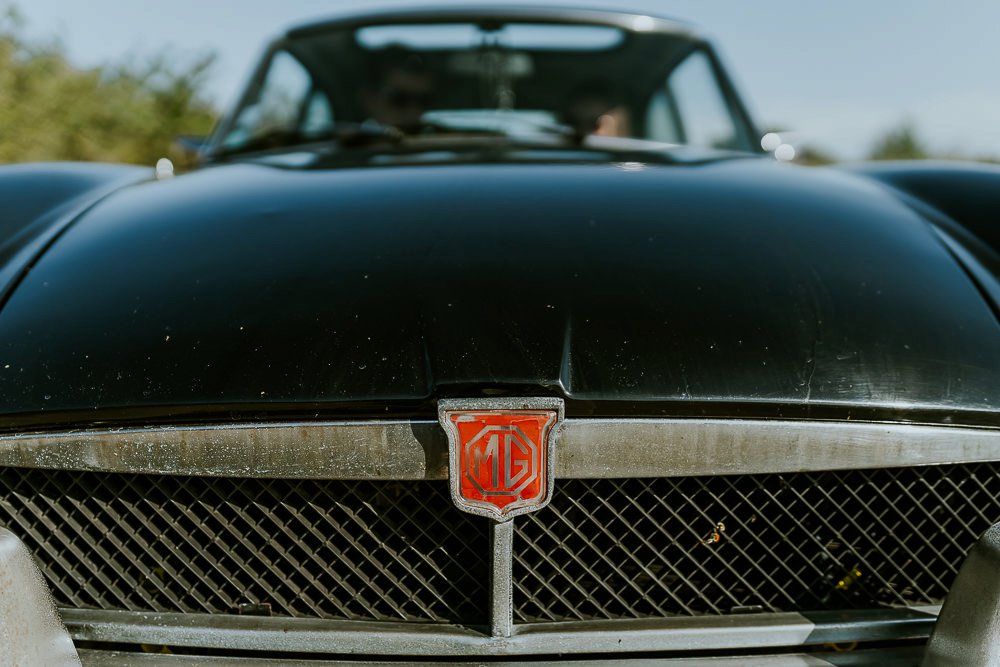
[493, 333]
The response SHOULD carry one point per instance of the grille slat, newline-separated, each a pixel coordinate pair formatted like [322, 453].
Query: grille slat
[857, 539]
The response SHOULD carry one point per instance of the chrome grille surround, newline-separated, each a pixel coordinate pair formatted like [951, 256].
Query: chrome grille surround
[596, 459]
[399, 551]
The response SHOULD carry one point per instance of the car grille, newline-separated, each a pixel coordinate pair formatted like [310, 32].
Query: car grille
[718, 545]
[401, 551]
[327, 549]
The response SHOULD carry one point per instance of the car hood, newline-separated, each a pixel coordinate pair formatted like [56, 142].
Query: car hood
[650, 288]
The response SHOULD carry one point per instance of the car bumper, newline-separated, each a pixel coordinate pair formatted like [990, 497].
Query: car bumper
[893, 657]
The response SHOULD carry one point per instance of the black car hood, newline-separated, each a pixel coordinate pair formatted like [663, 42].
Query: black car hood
[738, 282]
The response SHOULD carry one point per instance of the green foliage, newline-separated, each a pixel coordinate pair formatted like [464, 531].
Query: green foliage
[903, 142]
[813, 156]
[51, 110]
[900, 143]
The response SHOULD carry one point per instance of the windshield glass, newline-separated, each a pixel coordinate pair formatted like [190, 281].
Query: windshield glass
[500, 78]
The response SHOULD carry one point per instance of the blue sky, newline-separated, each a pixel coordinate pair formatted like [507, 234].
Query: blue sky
[838, 73]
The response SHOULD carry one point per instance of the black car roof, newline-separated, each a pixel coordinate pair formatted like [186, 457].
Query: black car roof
[638, 22]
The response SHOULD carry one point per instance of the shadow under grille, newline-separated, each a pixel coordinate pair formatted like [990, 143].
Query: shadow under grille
[631, 548]
[327, 549]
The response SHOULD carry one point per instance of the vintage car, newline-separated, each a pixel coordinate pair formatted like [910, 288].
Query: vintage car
[493, 334]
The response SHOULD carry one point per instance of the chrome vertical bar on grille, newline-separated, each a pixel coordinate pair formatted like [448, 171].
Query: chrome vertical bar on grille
[501, 579]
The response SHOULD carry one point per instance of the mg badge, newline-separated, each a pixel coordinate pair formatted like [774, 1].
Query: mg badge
[501, 453]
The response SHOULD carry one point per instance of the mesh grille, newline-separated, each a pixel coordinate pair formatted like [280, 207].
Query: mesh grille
[717, 545]
[329, 549]
[401, 551]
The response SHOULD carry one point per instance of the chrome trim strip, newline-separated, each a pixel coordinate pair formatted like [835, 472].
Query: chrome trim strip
[585, 448]
[597, 448]
[307, 450]
[408, 639]
[908, 655]
[888, 656]
[872, 625]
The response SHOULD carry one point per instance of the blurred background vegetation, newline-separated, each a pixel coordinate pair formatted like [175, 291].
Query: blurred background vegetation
[132, 111]
[902, 142]
[119, 112]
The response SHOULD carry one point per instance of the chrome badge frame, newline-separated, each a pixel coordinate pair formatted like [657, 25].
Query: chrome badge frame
[472, 406]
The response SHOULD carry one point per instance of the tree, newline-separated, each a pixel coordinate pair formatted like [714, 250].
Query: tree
[52, 110]
[813, 156]
[899, 143]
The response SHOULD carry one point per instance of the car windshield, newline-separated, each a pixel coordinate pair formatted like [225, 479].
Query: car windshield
[498, 78]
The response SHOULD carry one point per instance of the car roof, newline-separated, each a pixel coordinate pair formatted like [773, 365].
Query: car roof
[632, 21]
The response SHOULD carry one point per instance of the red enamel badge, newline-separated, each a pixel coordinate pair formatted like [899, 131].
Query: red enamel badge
[501, 453]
